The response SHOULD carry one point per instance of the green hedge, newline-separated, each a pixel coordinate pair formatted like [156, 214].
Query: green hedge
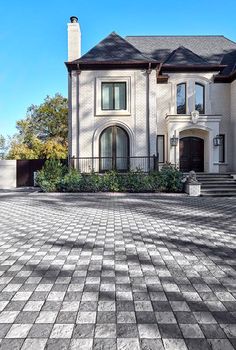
[54, 177]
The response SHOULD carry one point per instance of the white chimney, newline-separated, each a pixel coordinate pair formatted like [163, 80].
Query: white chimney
[74, 39]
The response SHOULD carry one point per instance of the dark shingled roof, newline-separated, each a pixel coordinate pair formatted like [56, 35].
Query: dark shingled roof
[116, 49]
[178, 51]
[215, 49]
[183, 56]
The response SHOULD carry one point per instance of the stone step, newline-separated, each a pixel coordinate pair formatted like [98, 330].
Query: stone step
[214, 174]
[219, 187]
[218, 194]
[220, 191]
[214, 177]
[213, 181]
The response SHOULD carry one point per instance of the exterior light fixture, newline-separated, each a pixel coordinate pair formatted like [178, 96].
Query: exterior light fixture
[217, 140]
[174, 141]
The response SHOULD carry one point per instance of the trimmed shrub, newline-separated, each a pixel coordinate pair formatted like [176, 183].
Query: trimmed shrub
[138, 181]
[49, 178]
[72, 181]
[169, 179]
[90, 183]
[55, 177]
[111, 181]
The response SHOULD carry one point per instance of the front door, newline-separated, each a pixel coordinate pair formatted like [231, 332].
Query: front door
[191, 152]
[114, 149]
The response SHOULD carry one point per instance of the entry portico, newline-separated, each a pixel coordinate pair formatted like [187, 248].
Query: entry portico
[206, 128]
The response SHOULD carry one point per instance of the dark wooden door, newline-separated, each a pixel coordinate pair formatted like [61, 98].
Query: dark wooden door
[191, 151]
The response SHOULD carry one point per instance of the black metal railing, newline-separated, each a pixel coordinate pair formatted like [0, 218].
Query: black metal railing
[120, 164]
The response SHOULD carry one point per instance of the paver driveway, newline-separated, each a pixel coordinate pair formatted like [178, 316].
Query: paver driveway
[117, 272]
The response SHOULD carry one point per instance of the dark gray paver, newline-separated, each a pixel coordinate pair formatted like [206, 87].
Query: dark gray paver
[125, 271]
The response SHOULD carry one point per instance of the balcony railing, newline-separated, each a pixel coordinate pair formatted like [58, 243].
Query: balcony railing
[120, 164]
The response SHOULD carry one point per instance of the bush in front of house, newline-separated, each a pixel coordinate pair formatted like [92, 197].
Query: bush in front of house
[169, 179]
[50, 176]
[71, 181]
[138, 181]
[112, 181]
[90, 182]
[56, 177]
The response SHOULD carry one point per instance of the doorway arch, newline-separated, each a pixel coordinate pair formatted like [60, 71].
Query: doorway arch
[114, 149]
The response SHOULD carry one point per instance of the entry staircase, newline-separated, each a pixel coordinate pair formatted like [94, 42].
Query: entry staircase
[217, 185]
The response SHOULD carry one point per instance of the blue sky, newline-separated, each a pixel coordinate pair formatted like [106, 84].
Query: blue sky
[33, 39]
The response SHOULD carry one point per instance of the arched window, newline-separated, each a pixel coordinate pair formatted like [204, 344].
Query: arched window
[114, 149]
[200, 98]
[181, 98]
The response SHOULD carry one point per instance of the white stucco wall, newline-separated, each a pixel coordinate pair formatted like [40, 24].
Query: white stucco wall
[91, 124]
[233, 123]
[7, 174]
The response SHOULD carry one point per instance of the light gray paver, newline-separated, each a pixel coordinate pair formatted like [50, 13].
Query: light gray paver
[117, 272]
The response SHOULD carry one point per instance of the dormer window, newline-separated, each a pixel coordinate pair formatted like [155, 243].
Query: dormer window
[200, 98]
[181, 98]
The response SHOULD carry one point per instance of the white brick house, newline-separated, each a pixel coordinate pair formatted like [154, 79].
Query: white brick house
[171, 96]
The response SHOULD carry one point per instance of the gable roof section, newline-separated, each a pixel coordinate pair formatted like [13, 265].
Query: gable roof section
[184, 56]
[210, 47]
[114, 49]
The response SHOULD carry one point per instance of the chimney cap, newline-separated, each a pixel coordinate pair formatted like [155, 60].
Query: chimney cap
[74, 19]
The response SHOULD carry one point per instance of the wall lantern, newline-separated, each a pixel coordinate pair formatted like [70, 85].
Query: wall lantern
[217, 140]
[174, 141]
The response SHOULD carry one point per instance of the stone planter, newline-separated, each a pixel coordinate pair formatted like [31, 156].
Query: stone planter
[193, 189]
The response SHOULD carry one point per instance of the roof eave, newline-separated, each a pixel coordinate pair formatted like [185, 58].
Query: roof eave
[192, 68]
[92, 65]
[225, 78]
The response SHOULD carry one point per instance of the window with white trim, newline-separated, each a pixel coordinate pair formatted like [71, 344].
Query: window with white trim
[181, 98]
[113, 96]
[200, 98]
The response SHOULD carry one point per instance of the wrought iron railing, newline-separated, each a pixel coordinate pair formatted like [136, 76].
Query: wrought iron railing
[121, 164]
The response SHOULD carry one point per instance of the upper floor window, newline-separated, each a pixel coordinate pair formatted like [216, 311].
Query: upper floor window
[200, 98]
[114, 96]
[181, 98]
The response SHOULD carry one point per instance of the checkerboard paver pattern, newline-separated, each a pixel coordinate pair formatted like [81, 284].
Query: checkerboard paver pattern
[117, 272]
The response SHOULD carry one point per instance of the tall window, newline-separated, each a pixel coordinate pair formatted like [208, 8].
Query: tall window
[114, 96]
[181, 98]
[114, 149]
[161, 148]
[222, 149]
[200, 98]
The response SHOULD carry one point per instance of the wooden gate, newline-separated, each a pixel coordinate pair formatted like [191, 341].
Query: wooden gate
[25, 171]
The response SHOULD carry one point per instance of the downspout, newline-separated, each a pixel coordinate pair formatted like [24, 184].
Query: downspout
[148, 71]
[78, 110]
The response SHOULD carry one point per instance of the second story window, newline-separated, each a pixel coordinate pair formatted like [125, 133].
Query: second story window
[200, 98]
[181, 98]
[113, 96]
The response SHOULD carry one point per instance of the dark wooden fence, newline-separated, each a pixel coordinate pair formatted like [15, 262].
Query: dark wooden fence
[25, 170]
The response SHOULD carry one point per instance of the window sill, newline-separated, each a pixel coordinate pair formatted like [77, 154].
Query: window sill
[111, 113]
[220, 163]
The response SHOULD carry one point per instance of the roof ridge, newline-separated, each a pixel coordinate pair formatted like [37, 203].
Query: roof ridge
[176, 36]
